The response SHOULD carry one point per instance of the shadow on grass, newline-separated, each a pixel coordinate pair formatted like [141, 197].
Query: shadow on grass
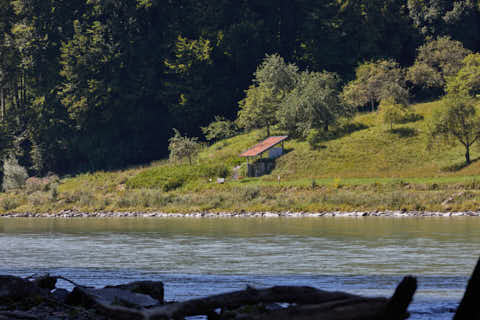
[411, 117]
[318, 147]
[336, 133]
[404, 132]
[459, 166]
[343, 130]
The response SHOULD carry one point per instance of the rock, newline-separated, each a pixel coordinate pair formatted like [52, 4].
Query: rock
[14, 289]
[45, 282]
[60, 295]
[89, 297]
[152, 288]
[270, 215]
[448, 201]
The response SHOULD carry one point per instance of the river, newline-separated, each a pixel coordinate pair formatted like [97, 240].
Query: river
[198, 257]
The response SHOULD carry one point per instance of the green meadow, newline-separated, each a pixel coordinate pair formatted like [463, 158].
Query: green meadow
[369, 168]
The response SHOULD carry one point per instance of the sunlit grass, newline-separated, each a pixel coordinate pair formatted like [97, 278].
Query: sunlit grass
[371, 168]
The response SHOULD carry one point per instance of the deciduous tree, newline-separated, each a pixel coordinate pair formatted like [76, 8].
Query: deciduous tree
[181, 147]
[274, 79]
[391, 112]
[436, 61]
[220, 129]
[313, 104]
[457, 122]
[467, 80]
[375, 80]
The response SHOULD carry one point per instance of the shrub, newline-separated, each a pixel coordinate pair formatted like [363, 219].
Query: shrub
[173, 183]
[38, 198]
[219, 171]
[14, 175]
[54, 191]
[9, 204]
[249, 193]
[34, 184]
[183, 147]
[220, 129]
[314, 138]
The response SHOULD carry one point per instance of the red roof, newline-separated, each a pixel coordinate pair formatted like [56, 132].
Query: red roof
[263, 146]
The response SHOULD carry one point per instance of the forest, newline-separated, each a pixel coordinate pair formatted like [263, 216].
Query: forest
[101, 84]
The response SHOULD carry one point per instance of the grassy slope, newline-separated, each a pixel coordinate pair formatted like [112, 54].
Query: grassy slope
[369, 155]
[367, 169]
[377, 153]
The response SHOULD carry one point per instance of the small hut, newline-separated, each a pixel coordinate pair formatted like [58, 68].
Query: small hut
[256, 164]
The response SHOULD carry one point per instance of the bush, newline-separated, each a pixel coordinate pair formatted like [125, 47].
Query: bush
[34, 184]
[220, 129]
[218, 171]
[183, 147]
[39, 198]
[173, 183]
[314, 138]
[249, 193]
[14, 175]
[8, 204]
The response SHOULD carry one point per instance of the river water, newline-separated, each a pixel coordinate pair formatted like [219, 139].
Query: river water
[198, 257]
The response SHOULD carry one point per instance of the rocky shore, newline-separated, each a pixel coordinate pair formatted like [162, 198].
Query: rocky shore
[38, 298]
[287, 214]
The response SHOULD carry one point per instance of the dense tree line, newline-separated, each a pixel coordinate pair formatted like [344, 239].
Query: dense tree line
[90, 84]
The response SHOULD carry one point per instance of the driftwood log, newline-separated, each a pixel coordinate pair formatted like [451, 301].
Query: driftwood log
[306, 303]
[275, 303]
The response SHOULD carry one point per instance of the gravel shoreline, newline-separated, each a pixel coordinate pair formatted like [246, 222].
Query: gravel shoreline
[287, 214]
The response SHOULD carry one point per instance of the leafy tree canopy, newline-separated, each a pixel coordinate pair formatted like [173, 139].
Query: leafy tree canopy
[457, 122]
[181, 147]
[436, 61]
[220, 129]
[274, 79]
[376, 80]
[467, 81]
[392, 112]
[313, 103]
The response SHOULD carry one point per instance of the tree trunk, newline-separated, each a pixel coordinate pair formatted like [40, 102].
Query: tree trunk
[325, 126]
[2, 102]
[467, 154]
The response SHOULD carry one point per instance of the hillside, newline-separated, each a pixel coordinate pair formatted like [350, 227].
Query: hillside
[363, 156]
[371, 168]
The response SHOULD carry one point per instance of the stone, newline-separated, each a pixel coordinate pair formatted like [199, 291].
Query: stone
[89, 297]
[13, 289]
[270, 215]
[154, 289]
[60, 295]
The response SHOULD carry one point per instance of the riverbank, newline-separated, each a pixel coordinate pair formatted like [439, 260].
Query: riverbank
[68, 214]
[368, 170]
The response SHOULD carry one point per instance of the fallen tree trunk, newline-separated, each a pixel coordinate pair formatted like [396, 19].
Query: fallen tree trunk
[357, 308]
[330, 305]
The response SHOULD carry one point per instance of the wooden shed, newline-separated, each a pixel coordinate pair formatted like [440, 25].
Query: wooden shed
[258, 150]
